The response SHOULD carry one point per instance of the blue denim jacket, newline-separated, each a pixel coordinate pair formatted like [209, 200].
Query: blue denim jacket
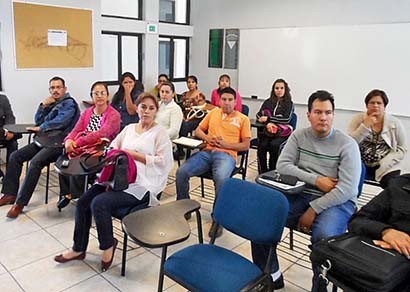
[62, 115]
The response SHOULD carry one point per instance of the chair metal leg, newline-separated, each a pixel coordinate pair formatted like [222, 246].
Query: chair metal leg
[291, 239]
[199, 223]
[86, 183]
[161, 269]
[47, 182]
[202, 188]
[124, 254]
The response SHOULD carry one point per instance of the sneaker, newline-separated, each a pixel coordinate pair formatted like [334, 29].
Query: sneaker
[212, 230]
[279, 283]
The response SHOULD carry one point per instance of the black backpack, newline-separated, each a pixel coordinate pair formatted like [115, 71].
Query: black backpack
[362, 266]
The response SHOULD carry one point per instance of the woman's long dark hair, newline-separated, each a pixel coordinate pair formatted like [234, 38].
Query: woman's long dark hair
[284, 104]
[287, 97]
[119, 95]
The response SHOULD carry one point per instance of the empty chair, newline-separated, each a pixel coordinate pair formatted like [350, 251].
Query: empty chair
[251, 211]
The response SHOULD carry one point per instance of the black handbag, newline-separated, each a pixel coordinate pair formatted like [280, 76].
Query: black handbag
[355, 261]
[118, 181]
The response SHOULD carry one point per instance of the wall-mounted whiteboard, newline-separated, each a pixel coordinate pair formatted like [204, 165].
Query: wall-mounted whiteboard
[348, 61]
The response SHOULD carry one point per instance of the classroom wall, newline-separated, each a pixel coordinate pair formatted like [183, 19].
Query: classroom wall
[291, 13]
[26, 88]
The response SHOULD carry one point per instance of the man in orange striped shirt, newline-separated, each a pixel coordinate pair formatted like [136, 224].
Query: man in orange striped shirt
[225, 131]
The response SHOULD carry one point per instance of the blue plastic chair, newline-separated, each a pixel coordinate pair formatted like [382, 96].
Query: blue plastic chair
[251, 211]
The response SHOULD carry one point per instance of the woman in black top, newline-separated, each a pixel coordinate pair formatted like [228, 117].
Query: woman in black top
[276, 113]
[124, 99]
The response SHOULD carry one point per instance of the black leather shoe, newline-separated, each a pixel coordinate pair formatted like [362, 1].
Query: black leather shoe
[279, 283]
[64, 201]
[212, 229]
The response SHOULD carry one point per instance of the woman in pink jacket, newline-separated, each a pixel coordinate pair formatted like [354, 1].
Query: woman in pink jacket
[225, 81]
[99, 121]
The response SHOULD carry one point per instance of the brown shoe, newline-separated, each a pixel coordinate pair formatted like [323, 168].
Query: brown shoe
[106, 265]
[61, 259]
[7, 199]
[15, 211]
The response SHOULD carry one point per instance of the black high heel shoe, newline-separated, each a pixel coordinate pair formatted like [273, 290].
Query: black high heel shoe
[105, 265]
[63, 202]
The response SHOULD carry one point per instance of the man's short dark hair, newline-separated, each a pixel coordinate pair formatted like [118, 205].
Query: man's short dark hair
[321, 95]
[377, 92]
[57, 78]
[229, 90]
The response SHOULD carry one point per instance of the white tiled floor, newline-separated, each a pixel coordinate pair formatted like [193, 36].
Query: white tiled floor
[29, 243]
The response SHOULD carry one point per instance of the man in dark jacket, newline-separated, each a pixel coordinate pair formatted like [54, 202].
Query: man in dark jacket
[386, 219]
[59, 111]
[7, 139]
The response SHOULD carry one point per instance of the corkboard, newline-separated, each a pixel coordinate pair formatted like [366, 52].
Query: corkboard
[31, 25]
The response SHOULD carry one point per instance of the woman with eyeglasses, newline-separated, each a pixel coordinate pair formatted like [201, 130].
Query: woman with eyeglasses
[99, 121]
[124, 99]
[381, 138]
[148, 144]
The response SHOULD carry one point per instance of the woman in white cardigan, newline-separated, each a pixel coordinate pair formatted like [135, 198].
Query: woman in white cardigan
[381, 138]
[169, 114]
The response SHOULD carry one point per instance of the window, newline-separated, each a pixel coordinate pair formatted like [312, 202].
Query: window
[174, 11]
[173, 57]
[120, 52]
[122, 8]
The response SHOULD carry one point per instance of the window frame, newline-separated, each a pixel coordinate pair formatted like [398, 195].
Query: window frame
[140, 9]
[119, 35]
[188, 16]
[172, 58]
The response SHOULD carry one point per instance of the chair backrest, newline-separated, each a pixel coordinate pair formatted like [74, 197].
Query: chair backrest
[294, 120]
[362, 179]
[245, 109]
[252, 211]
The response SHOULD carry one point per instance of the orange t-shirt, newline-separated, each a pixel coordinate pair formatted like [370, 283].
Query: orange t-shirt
[233, 128]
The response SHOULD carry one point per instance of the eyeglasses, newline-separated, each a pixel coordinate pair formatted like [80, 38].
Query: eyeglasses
[55, 87]
[99, 93]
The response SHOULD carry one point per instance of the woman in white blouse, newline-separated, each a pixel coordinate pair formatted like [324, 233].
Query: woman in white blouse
[169, 114]
[149, 145]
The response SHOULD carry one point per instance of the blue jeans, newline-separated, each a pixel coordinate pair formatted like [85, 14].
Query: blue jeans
[333, 221]
[221, 165]
[102, 204]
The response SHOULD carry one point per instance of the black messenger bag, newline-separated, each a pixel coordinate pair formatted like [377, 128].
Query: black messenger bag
[361, 265]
